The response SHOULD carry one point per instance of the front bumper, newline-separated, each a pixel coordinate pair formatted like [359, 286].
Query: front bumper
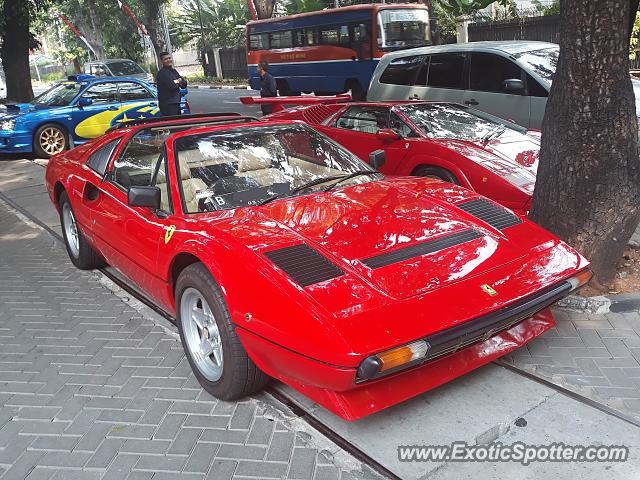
[15, 141]
[454, 352]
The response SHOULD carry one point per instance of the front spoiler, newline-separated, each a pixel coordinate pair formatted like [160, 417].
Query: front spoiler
[334, 387]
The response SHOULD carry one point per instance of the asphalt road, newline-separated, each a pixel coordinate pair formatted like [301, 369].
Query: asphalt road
[227, 100]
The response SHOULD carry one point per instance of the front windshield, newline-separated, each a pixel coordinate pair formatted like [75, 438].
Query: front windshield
[234, 168]
[59, 95]
[122, 69]
[402, 28]
[544, 61]
[443, 120]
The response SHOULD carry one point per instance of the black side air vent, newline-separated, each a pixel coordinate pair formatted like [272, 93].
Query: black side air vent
[303, 264]
[490, 213]
[420, 249]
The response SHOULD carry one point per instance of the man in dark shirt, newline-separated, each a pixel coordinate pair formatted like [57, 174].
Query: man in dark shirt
[267, 86]
[169, 83]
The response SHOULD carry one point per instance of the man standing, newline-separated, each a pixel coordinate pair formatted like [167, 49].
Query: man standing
[169, 83]
[267, 86]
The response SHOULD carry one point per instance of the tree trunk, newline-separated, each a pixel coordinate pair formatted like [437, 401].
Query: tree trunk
[15, 50]
[588, 186]
[433, 23]
[264, 8]
[151, 19]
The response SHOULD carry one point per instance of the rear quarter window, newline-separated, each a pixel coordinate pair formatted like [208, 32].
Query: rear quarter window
[405, 71]
[99, 160]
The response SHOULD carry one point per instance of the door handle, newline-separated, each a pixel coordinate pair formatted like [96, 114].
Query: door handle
[471, 101]
[414, 97]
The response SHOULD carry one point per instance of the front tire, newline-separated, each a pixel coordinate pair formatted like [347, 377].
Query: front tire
[49, 140]
[80, 252]
[436, 172]
[218, 359]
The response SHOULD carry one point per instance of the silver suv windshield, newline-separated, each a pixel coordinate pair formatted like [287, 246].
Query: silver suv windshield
[543, 61]
[246, 166]
[402, 28]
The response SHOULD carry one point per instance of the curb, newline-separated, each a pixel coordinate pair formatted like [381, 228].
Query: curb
[220, 87]
[594, 305]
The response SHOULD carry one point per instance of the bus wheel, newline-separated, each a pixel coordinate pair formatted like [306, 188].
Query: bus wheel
[285, 91]
[357, 92]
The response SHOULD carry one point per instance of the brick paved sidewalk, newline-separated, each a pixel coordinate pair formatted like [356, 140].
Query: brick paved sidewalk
[597, 356]
[91, 389]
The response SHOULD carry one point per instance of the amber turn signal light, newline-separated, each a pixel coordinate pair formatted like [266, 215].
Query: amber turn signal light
[580, 279]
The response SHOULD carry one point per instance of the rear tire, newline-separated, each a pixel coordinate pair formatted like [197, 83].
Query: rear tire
[49, 140]
[209, 338]
[436, 172]
[80, 252]
[357, 92]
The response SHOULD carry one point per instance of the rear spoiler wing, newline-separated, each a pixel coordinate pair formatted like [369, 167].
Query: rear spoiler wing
[280, 102]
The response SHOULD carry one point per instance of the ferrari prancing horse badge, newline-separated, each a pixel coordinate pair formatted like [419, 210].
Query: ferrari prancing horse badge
[488, 289]
[169, 233]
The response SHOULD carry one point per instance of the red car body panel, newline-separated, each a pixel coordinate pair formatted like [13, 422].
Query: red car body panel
[503, 169]
[314, 338]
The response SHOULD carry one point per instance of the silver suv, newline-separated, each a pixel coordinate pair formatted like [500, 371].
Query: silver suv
[117, 67]
[507, 79]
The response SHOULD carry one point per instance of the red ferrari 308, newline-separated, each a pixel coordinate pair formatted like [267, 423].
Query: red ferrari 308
[452, 142]
[281, 254]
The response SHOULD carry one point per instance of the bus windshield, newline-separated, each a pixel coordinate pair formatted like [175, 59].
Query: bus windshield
[402, 28]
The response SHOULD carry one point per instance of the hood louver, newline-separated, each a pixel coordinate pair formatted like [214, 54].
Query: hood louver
[304, 264]
[424, 248]
[490, 213]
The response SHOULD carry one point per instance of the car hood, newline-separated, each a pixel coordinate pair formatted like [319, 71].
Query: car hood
[12, 110]
[513, 156]
[368, 224]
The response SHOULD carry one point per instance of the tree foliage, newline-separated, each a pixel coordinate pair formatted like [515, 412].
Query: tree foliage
[469, 7]
[222, 21]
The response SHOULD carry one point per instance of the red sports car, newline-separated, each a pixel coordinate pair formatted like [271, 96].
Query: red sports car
[281, 254]
[455, 143]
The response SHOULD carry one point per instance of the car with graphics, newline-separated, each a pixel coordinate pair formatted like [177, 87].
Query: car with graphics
[510, 79]
[74, 111]
[452, 142]
[281, 254]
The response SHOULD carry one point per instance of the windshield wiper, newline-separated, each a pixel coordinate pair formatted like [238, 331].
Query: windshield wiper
[496, 132]
[304, 186]
[351, 175]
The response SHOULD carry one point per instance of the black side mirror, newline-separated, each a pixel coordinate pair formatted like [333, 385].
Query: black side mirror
[513, 85]
[144, 197]
[376, 159]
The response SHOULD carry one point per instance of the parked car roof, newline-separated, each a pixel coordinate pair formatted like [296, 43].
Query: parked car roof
[509, 47]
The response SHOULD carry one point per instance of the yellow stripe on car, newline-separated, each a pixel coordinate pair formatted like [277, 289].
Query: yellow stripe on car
[97, 124]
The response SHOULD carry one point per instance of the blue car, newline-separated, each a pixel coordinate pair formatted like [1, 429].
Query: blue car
[74, 111]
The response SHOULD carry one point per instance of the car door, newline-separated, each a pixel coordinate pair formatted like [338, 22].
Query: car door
[136, 102]
[130, 236]
[92, 120]
[487, 73]
[443, 79]
[356, 129]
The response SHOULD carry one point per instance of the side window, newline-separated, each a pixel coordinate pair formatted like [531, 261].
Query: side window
[329, 36]
[311, 36]
[137, 164]
[259, 41]
[534, 88]
[405, 71]
[99, 160]
[130, 91]
[282, 39]
[364, 119]
[445, 70]
[102, 93]
[488, 72]
[399, 126]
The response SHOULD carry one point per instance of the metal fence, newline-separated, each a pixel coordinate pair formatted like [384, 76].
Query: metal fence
[233, 62]
[545, 29]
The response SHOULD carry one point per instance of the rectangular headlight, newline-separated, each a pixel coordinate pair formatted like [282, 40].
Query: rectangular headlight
[8, 124]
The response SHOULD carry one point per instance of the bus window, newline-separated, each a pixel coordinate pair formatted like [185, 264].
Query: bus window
[259, 41]
[311, 37]
[282, 39]
[329, 36]
[298, 38]
[399, 28]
